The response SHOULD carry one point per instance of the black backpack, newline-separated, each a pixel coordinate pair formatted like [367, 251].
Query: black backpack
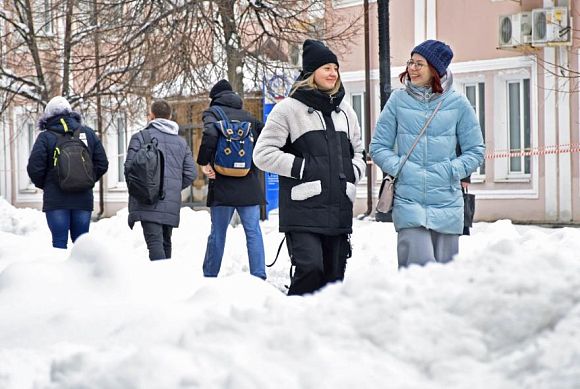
[73, 163]
[144, 175]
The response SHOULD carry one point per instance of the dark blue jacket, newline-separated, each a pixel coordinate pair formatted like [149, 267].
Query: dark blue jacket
[41, 167]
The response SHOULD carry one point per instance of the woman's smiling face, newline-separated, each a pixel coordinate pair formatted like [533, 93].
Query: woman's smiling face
[325, 76]
[419, 71]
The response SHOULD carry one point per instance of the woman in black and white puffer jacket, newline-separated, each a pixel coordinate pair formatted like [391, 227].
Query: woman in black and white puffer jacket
[312, 141]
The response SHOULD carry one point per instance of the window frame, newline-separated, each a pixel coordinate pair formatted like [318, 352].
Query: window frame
[523, 160]
[44, 16]
[121, 137]
[2, 39]
[110, 140]
[501, 133]
[479, 85]
[361, 118]
[26, 133]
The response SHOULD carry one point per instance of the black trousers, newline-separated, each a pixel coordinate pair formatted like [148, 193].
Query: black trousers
[158, 239]
[317, 260]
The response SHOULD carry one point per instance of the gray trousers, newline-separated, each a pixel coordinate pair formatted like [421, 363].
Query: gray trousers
[419, 246]
[158, 239]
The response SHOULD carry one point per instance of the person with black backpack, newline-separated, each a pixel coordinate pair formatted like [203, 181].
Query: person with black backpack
[65, 162]
[158, 167]
[225, 156]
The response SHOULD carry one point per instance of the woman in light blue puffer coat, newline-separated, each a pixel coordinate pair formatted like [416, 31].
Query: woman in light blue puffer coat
[428, 206]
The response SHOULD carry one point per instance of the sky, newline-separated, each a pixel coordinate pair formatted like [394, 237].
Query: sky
[504, 314]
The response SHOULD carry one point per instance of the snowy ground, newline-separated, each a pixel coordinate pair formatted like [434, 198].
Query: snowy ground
[504, 314]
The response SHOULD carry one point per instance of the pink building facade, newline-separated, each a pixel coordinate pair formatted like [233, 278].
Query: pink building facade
[525, 94]
[524, 91]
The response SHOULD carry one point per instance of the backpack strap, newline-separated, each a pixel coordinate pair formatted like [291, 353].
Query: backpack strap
[77, 133]
[220, 114]
[146, 135]
[162, 178]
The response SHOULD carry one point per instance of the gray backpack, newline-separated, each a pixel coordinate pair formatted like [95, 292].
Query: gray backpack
[144, 175]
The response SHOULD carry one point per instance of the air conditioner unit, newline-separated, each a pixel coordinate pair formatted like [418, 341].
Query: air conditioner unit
[515, 30]
[550, 25]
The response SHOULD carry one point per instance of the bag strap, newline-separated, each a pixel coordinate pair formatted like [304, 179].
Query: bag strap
[277, 253]
[419, 137]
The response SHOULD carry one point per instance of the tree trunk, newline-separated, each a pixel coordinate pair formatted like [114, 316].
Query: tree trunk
[34, 52]
[232, 46]
[67, 49]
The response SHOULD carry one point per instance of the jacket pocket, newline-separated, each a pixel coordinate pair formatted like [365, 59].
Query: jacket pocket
[351, 191]
[306, 190]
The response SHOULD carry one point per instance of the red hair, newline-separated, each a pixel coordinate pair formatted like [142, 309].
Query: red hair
[435, 79]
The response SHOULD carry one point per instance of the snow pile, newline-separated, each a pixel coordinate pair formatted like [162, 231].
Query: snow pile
[504, 314]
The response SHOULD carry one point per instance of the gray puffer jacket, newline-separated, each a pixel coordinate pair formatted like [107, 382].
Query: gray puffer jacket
[179, 173]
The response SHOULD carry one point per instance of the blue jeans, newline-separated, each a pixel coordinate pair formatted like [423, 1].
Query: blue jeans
[220, 220]
[61, 221]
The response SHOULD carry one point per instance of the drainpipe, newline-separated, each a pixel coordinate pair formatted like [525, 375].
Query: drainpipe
[367, 114]
[12, 149]
[384, 51]
[99, 106]
[384, 66]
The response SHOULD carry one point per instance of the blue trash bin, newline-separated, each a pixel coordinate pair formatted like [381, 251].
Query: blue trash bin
[272, 188]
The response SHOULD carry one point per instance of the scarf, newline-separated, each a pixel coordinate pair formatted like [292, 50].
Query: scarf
[319, 100]
[425, 93]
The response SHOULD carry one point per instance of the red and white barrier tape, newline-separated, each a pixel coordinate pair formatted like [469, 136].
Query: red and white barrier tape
[557, 149]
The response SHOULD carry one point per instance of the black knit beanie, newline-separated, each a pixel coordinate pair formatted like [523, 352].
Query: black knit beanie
[315, 54]
[220, 86]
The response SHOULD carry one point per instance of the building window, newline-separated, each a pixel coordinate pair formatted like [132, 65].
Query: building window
[357, 103]
[121, 147]
[515, 129]
[30, 130]
[475, 93]
[2, 39]
[86, 14]
[44, 17]
[518, 111]
[31, 138]
[295, 54]
[25, 141]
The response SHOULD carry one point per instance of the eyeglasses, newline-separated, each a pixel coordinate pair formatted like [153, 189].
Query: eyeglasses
[416, 65]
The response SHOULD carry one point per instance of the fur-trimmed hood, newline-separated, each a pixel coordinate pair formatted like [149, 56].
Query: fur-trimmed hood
[45, 120]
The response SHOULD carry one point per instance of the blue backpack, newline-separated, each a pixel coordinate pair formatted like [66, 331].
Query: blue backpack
[233, 155]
